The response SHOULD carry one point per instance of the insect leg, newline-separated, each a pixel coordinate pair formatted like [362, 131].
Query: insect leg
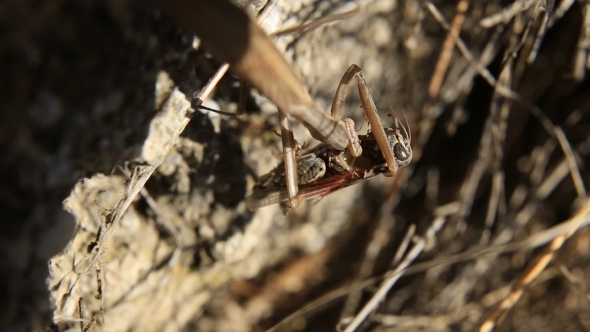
[353, 147]
[375, 121]
[289, 159]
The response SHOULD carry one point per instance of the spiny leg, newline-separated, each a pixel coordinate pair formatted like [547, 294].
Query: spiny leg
[370, 112]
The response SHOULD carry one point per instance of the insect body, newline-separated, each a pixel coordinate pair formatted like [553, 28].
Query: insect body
[323, 169]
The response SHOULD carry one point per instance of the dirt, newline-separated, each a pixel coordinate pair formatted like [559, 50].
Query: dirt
[94, 93]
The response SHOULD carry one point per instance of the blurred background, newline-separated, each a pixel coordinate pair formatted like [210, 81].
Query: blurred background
[93, 91]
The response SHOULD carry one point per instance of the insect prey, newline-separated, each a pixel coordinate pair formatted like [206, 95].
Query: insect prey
[324, 169]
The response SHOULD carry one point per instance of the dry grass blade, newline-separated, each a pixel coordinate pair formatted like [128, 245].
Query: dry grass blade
[379, 240]
[555, 233]
[345, 13]
[507, 14]
[447, 50]
[508, 93]
[393, 276]
[581, 63]
[537, 266]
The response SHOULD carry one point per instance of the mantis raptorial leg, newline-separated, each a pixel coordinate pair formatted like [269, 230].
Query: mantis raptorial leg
[370, 112]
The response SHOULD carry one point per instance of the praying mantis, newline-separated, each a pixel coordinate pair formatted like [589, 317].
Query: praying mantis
[344, 157]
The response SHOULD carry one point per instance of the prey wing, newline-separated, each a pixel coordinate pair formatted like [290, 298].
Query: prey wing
[316, 189]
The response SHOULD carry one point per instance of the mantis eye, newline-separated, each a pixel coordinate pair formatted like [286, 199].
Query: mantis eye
[400, 152]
